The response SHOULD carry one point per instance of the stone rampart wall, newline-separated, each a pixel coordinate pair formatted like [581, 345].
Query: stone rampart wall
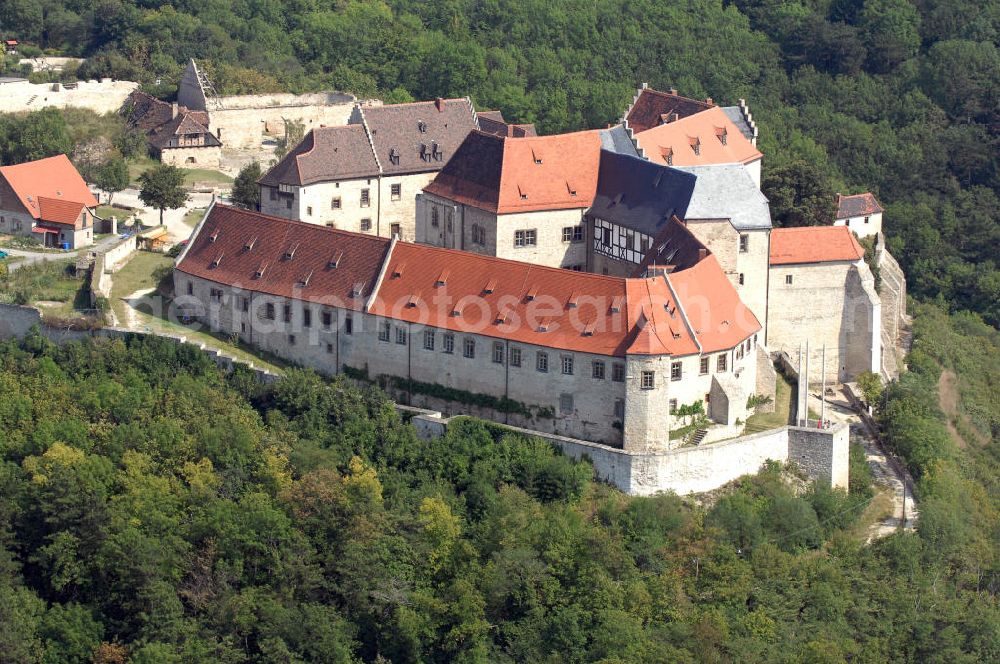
[104, 96]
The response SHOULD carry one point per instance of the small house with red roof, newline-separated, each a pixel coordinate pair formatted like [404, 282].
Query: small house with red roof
[862, 213]
[10, 46]
[605, 359]
[821, 291]
[47, 199]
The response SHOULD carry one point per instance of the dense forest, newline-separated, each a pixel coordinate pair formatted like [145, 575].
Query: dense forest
[153, 509]
[901, 97]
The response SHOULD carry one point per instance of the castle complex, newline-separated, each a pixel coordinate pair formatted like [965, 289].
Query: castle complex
[599, 285]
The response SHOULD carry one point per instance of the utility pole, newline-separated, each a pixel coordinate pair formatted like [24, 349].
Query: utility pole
[805, 389]
[822, 394]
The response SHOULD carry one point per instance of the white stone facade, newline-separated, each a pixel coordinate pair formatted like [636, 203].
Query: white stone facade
[863, 226]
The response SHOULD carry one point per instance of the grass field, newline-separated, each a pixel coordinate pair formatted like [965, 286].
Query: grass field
[137, 167]
[193, 216]
[782, 415]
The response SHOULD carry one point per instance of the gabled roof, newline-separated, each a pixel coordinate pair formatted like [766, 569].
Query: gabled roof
[468, 292]
[674, 246]
[728, 192]
[60, 211]
[492, 122]
[418, 137]
[506, 175]
[52, 177]
[639, 194]
[857, 205]
[235, 246]
[652, 108]
[146, 112]
[736, 115]
[712, 306]
[326, 154]
[709, 137]
[182, 125]
[814, 244]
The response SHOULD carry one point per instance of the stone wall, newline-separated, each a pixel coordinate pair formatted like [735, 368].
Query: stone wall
[206, 156]
[823, 454]
[105, 96]
[244, 126]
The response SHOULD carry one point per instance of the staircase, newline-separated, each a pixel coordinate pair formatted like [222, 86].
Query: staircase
[33, 98]
[698, 436]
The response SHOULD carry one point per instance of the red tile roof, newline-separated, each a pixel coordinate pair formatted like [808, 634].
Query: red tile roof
[505, 175]
[52, 177]
[492, 122]
[713, 307]
[814, 244]
[709, 137]
[495, 297]
[60, 211]
[857, 205]
[286, 258]
[652, 107]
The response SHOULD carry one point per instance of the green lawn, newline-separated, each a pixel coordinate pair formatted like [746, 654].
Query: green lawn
[105, 211]
[192, 176]
[783, 404]
[193, 216]
[144, 271]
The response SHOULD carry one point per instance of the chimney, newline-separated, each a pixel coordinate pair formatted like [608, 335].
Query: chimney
[673, 91]
[708, 100]
[173, 110]
[439, 103]
[702, 253]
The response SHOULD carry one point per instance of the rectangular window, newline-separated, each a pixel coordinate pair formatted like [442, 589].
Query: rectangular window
[335, 203]
[572, 234]
[515, 357]
[396, 192]
[741, 279]
[307, 318]
[675, 371]
[703, 366]
[788, 279]
[273, 193]
[498, 352]
[348, 325]
[720, 363]
[329, 349]
[269, 311]
[428, 339]
[469, 348]
[525, 238]
[567, 365]
[291, 339]
[327, 319]
[384, 330]
[744, 243]
[366, 224]
[216, 294]
[365, 198]
[288, 203]
[394, 230]
[287, 313]
[673, 406]
[401, 336]
[246, 305]
[620, 409]
[449, 342]
[618, 372]
[190, 288]
[597, 370]
[309, 210]
[542, 362]
[648, 380]
[565, 403]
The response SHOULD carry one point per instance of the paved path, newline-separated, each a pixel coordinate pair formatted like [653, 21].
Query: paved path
[177, 230]
[39, 256]
[888, 472]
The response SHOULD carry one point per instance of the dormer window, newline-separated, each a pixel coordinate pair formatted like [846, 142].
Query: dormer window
[394, 157]
[290, 253]
[696, 145]
[358, 289]
[249, 245]
[217, 261]
[213, 237]
[422, 126]
[424, 154]
[335, 261]
[304, 281]
[436, 152]
[259, 272]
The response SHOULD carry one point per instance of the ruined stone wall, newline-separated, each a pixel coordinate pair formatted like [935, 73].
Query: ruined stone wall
[208, 156]
[104, 96]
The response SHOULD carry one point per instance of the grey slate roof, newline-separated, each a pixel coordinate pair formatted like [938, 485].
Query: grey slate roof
[325, 154]
[726, 191]
[638, 194]
[616, 139]
[405, 135]
[734, 114]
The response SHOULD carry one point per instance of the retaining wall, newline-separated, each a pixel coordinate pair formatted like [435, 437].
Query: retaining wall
[105, 96]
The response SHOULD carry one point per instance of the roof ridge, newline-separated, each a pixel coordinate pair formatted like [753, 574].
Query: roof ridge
[371, 139]
[304, 224]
